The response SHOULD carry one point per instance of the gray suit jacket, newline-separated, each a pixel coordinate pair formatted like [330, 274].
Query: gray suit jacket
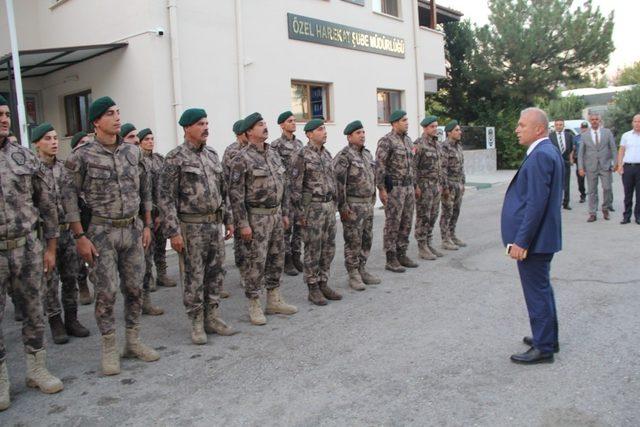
[594, 158]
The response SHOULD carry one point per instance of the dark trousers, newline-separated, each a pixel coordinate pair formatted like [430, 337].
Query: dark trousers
[541, 304]
[581, 188]
[631, 183]
[566, 182]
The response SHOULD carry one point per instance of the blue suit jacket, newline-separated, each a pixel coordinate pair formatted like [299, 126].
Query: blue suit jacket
[531, 215]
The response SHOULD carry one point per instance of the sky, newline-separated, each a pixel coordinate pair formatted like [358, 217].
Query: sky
[625, 30]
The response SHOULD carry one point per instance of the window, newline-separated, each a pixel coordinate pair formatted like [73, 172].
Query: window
[310, 100]
[76, 111]
[388, 102]
[388, 7]
[358, 2]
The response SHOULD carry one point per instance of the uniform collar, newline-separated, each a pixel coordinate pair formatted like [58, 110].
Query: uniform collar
[314, 148]
[356, 148]
[193, 148]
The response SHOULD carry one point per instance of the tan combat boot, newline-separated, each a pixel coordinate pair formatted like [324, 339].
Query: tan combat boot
[164, 280]
[315, 296]
[110, 355]
[405, 261]
[198, 336]
[458, 242]
[38, 376]
[276, 305]
[434, 250]
[328, 292]
[148, 307]
[84, 294]
[224, 294]
[355, 281]
[393, 264]
[255, 312]
[5, 397]
[425, 253]
[134, 348]
[449, 245]
[213, 323]
[368, 278]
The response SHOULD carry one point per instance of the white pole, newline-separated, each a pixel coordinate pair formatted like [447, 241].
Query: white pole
[17, 76]
[176, 79]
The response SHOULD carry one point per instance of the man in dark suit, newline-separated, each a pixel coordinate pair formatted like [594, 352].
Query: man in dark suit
[531, 223]
[563, 139]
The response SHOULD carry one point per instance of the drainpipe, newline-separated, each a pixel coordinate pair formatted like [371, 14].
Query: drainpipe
[240, 58]
[172, 5]
[419, 79]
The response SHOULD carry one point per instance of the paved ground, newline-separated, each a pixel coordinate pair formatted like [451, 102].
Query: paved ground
[429, 347]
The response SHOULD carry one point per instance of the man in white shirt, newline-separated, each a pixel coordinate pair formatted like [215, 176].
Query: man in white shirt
[629, 168]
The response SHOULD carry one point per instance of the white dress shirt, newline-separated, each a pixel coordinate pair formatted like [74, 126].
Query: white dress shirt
[631, 143]
[593, 135]
[535, 143]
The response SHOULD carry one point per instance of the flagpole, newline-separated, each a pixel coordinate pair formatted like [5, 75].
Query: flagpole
[15, 61]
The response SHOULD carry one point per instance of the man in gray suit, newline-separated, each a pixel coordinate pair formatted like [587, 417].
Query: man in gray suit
[597, 159]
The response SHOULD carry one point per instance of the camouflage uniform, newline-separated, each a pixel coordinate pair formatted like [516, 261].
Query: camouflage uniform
[26, 196]
[193, 204]
[239, 247]
[453, 168]
[313, 198]
[156, 252]
[356, 192]
[394, 160]
[286, 149]
[114, 184]
[430, 178]
[259, 199]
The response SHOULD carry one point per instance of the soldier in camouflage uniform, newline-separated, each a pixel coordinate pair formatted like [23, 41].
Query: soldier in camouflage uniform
[395, 179]
[45, 139]
[193, 204]
[239, 248]
[260, 208]
[313, 195]
[111, 176]
[286, 146]
[356, 195]
[426, 160]
[26, 196]
[453, 167]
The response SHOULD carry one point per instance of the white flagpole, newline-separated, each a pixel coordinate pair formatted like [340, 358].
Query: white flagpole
[15, 61]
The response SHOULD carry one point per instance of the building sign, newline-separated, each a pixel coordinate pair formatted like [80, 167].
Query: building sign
[323, 32]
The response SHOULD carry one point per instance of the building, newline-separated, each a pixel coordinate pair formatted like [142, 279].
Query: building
[340, 59]
[597, 100]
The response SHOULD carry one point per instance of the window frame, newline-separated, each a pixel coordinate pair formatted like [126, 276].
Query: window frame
[327, 93]
[385, 120]
[86, 93]
[381, 11]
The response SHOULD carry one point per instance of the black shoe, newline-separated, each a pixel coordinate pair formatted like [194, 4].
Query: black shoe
[582, 199]
[567, 207]
[625, 221]
[611, 209]
[637, 220]
[532, 356]
[529, 341]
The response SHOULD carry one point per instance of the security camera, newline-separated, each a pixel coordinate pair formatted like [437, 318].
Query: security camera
[159, 31]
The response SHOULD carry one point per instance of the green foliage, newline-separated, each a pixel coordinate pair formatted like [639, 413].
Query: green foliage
[567, 108]
[626, 105]
[629, 75]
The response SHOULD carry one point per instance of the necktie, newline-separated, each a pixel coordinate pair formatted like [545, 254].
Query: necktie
[597, 137]
[561, 142]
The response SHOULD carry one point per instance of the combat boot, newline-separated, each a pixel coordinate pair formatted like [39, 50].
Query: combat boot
[368, 278]
[458, 242]
[72, 325]
[198, 336]
[213, 323]
[57, 330]
[110, 355]
[223, 293]
[434, 250]
[289, 268]
[84, 294]
[148, 307]
[315, 296]
[255, 312]
[329, 293]
[276, 305]
[134, 348]
[449, 245]
[297, 262]
[164, 280]
[5, 397]
[425, 253]
[355, 281]
[405, 261]
[38, 376]
[393, 264]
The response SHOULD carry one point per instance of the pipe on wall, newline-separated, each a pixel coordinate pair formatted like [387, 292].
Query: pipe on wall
[172, 6]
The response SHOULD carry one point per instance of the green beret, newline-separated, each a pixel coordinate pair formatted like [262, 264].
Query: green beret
[313, 124]
[451, 125]
[428, 120]
[284, 116]
[126, 129]
[40, 131]
[250, 121]
[99, 107]
[237, 127]
[191, 116]
[77, 137]
[352, 127]
[397, 115]
[144, 132]
[3, 100]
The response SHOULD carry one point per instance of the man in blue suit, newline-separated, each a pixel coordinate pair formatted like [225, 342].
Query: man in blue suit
[532, 225]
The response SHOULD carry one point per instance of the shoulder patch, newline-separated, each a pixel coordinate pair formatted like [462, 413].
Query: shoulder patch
[295, 172]
[19, 158]
[132, 159]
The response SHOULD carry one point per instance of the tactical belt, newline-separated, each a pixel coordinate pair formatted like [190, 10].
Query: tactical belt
[63, 227]
[114, 222]
[10, 244]
[404, 182]
[322, 199]
[263, 211]
[208, 218]
[359, 199]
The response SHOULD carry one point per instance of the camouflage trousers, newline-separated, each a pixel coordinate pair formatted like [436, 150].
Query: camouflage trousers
[398, 214]
[265, 253]
[427, 210]
[121, 257]
[451, 202]
[21, 269]
[240, 255]
[66, 272]
[319, 237]
[293, 237]
[201, 266]
[358, 236]
[160, 251]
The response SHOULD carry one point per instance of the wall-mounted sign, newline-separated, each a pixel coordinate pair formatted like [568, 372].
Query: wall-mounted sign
[329, 33]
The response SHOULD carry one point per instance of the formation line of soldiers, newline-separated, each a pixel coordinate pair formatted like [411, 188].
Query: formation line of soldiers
[111, 206]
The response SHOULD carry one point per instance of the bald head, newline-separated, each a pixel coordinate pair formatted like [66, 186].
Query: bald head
[532, 125]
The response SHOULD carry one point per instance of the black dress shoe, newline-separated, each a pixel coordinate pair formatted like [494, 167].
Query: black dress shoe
[532, 356]
[625, 221]
[637, 220]
[567, 207]
[529, 341]
[582, 199]
[611, 209]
